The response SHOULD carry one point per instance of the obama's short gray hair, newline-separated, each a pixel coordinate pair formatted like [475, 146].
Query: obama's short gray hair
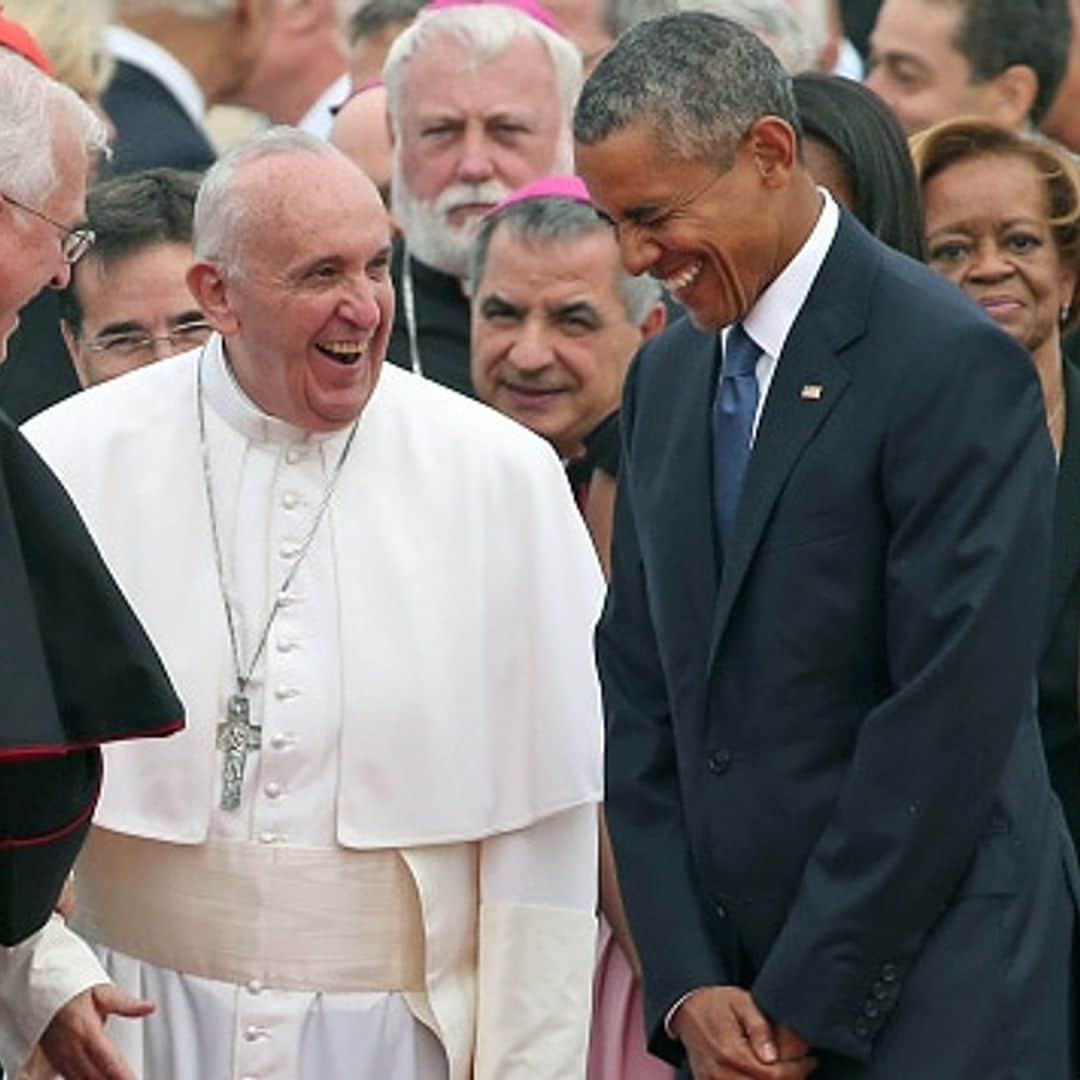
[698, 80]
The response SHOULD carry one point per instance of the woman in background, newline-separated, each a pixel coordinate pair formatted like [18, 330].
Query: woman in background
[1002, 216]
[854, 146]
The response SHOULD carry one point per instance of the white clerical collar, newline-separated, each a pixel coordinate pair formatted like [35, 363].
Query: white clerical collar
[141, 52]
[318, 119]
[771, 318]
[229, 400]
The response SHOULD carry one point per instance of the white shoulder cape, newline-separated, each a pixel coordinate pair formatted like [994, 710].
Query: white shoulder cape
[469, 592]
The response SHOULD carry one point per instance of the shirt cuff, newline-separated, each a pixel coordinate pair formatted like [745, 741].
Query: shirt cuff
[670, 1015]
[37, 977]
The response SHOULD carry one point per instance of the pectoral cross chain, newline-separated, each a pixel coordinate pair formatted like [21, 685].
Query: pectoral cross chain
[237, 736]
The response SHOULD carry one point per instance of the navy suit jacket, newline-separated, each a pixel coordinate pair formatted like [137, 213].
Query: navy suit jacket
[152, 127]
[1058, 710]
[824, 775]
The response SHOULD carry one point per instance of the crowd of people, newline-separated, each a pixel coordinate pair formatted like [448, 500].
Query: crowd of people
[556, 556]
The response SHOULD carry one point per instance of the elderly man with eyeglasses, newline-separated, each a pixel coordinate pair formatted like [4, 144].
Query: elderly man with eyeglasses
[76, 669]
[128, 303]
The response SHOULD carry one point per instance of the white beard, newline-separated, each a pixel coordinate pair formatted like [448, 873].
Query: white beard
[426, 223]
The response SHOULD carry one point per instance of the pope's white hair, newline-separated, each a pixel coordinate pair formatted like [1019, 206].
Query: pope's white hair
[32, 103]
[487, 31]
[223, 208]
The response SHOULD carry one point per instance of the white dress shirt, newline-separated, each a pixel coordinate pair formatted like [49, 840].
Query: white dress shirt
[771, 318]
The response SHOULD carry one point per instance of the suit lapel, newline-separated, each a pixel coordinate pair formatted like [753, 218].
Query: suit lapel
[1065, 560]
[692, 520]
[811, 377]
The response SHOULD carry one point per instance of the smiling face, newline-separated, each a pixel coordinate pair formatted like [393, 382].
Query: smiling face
[715, 239]
[987, 230]
[551, 337]
[307, 312]
[469, 135]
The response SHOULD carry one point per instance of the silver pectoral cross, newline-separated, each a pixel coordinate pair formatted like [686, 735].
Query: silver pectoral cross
[236, 737]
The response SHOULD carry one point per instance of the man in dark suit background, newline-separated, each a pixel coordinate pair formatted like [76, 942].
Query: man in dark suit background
[173, 61]
[831, 817]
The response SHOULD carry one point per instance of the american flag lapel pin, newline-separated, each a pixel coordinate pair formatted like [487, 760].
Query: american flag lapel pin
[812, 392]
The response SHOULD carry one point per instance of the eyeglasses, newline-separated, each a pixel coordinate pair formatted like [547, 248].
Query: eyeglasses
[139, 343]
[74, 243]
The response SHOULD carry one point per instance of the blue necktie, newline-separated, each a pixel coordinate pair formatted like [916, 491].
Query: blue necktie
[733, 414]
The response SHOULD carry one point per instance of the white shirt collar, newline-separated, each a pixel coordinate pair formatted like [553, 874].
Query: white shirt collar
[148, 55]
[228, 399]
[317, 120]
[770, 320]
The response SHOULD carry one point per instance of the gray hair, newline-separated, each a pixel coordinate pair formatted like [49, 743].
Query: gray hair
[487, 31]
[813, 16]
[555, 218]
[796, 29]
[772, 20]
[698, 80]
[377, 15]
[222, 210]
[191, 9]
[619, 15]
[32, 103]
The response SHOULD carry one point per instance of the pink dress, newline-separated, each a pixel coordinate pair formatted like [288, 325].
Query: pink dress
[617, 1043]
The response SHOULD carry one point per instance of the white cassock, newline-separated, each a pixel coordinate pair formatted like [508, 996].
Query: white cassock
[407, 888]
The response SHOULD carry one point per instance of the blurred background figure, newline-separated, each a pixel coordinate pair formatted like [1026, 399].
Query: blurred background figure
[1003, 221]
[301, 72]
[71, 33]
[361, 130]
[371, 30]
[582, 21]
[174, 59]
[480, 98]
[932, 60]
[127, 303]
[556, 321]
[823, 22]
[1062, 120]
[806, 35]
[774, 21]
[854, 146]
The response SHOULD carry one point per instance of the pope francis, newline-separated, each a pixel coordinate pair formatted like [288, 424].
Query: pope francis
[372, 852]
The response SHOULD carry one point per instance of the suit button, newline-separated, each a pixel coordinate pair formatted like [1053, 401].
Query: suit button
[719, 761]
[862, 1028]
[888, 973]
[870, 1010]
[881, 991]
